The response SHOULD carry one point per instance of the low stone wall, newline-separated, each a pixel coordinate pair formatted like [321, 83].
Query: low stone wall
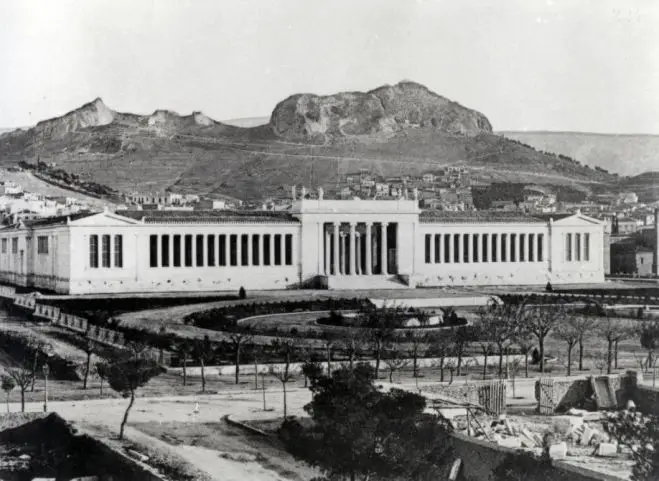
[480, 458]
[564, 393]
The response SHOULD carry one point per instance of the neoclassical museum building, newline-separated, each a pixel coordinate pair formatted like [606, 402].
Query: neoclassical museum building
[317, 243]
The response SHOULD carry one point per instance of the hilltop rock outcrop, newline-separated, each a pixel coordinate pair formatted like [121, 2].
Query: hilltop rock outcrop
[385, 109]
[92, 114]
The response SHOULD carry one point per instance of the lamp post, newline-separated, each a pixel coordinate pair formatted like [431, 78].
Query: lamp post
[45, 392]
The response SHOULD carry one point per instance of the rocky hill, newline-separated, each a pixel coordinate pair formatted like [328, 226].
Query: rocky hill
[311, 140]
[624, 154]
[386, 109]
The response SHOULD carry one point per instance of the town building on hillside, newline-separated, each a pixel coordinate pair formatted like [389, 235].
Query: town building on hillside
[624, 226]
[335, 244]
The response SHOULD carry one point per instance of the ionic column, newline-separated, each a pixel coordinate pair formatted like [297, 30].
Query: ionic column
[342, 253]
[352, 268]
[272, 249]
[249, 249]
[282, 250]
[336, 240]
[369, 254]
[328, 252]
[518, 248]
[461, 248]
[227, 249]
[383, 245]
[433, 241]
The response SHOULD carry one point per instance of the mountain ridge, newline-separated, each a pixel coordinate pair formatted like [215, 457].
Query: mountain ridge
[404, 129]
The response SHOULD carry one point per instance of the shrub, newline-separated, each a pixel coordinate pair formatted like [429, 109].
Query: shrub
[241, 293]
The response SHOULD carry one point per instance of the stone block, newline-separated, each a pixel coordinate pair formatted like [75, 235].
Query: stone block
[510, 443]
[527, 443]
[455, 470]
[558, 451]
[607, 449]
[586, 436]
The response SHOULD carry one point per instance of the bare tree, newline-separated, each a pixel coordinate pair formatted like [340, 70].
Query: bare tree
[89, 350]
[101, 370]
[525, 341]
[204, 351]
[283, 374]
[540, 321]
[237, 342]
[440, 346]
[567, 332]
[38, 346]
[352, 344]
[394, 361]
[126, 376]
[462, 337]
[417, 346]
[584, 325]
[612, 330]
[183, 349]
[23, 378]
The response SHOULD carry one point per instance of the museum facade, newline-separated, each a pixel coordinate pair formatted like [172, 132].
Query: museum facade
[335, 244]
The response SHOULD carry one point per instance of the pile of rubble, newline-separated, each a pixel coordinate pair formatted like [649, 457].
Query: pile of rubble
[576, 434]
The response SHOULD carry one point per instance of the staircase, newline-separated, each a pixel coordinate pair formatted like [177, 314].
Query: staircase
[364, 282]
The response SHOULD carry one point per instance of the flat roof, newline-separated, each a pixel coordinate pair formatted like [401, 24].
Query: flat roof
[208, 216]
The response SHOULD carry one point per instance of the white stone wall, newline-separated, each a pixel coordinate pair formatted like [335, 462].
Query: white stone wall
[137, 275]
[481, 272]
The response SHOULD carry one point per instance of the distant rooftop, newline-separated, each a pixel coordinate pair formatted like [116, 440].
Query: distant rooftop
[58, 220]
[208, 216]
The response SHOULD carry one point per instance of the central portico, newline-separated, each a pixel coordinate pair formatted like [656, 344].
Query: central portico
[356, 237]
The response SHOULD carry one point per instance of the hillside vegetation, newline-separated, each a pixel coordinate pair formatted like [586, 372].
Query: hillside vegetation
[311, 140]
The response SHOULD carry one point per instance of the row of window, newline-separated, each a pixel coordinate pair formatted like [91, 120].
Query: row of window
[221, 250]
[465, 248]
[111, 251]
[42, 245]
[577, 247]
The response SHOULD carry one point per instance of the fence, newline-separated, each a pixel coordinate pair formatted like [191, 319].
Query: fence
[493, 397]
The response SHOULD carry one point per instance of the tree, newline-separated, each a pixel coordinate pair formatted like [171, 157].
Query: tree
[567, 332]
[328, 344]
[417, 342]
[311, 369]
[462, 337]
[8, 385]
[612, 330]
[286, 348]
[89, 350]
[641, 434]
[241, 293]
[498, 323]
[352, 345]
[204, 351]
[650, 340]
[361, 432]
[394, 361]
[583, 325]
[22, 378]
[525, 341]
[101, 370]
[183, 349]
[126, 376]
[440, 346]
[540, 321]
[38, 346]
[237, 342]
[381, 324]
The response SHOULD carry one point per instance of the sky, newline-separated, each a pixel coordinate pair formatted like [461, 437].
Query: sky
[560, 65]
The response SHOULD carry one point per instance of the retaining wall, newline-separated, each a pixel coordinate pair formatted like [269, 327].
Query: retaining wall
[480, 458]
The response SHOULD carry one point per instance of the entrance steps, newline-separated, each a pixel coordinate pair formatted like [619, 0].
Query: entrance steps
[364, 282]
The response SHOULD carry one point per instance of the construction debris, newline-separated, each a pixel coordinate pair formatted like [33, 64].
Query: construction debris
[607, 449]
[558, 451]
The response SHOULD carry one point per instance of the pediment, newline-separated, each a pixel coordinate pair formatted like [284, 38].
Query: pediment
[578, 219]
[104, 219]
